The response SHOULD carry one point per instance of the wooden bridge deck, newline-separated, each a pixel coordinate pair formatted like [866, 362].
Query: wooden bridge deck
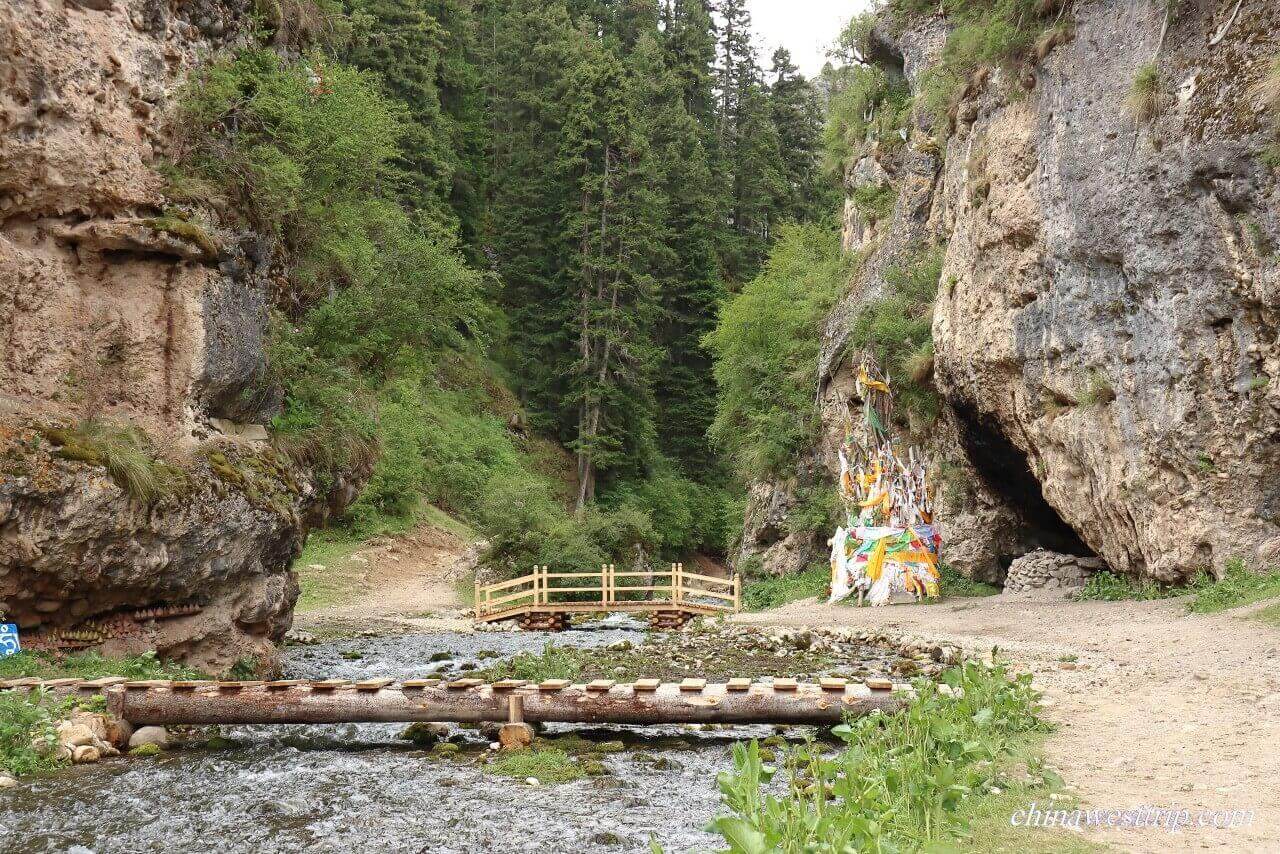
[545, 599]
[642, 702]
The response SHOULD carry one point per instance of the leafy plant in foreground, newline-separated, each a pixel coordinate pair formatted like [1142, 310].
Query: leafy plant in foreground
[901, 780]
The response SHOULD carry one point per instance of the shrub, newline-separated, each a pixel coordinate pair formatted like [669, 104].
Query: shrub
[1144, 93]
[866, 105]
[1106, 586]
[766, 345]
[897, 327]
[962, 586]
[875, 203]
[902, 780]
[761, 594]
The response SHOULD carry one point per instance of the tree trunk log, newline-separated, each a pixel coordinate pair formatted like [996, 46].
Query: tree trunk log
[621, 704]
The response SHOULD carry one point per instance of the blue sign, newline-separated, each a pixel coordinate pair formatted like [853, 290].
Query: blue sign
[9, 640]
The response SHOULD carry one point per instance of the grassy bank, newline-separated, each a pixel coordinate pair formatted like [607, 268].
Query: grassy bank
[944, 773]
[1236, 587]
[28, 718]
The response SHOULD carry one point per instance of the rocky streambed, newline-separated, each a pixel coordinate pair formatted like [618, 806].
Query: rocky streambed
[363, 787]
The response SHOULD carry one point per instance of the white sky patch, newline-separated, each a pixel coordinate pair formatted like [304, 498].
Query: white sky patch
[805, 27]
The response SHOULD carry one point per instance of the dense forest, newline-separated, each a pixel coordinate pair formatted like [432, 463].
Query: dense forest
[509, 229]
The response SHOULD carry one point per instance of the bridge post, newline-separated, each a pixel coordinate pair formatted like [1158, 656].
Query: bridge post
[515, 734]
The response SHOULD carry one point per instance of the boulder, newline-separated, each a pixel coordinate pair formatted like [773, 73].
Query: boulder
[156, 735]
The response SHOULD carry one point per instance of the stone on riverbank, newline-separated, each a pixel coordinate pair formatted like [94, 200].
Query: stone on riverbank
[156, 735]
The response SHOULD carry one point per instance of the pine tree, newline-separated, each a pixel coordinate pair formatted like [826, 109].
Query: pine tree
[689, 280]
[404, 45]
[611, 231]
[797, 116]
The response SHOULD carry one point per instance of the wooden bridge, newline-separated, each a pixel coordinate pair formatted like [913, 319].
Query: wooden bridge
[546, 600]
[514, 701]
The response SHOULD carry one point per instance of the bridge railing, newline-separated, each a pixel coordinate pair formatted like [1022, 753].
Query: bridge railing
[610, 589]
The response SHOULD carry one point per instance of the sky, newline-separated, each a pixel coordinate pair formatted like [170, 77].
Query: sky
[804, 27]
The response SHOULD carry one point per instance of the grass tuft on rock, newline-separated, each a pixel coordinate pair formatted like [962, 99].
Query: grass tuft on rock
[123, 450]
[1144, 93]
[1267, 89]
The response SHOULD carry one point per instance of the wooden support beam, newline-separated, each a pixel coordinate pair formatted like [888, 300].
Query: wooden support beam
[667, 703]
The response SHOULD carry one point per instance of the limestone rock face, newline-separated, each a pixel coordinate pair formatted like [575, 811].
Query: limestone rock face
[116, 303]
[1109, 309]
[1106, 325]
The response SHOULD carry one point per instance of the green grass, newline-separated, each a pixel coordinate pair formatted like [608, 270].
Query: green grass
[1144, 93]
[123, 450]
[91, 665]
[1269, 615]
[1238, 586]
[28, 717]
[546, 765]
[920, 778]
[1106, 586]
[957, 586]
[761, 594]
[554, 662]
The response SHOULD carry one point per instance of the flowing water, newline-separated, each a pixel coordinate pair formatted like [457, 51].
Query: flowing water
[355, 788]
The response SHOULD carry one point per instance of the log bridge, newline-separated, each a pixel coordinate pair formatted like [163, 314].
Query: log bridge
[512, 702]
[545, 600]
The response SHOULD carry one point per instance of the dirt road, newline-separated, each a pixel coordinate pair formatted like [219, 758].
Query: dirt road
[1160, 707]
[407, 583]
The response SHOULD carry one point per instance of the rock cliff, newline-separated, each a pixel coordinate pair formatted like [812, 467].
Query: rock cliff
[1105, 330]
[120, 305]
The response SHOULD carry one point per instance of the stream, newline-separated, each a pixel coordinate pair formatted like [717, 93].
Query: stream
[358, 787]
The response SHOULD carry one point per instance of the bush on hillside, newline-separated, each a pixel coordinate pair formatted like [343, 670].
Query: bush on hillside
[766, 347]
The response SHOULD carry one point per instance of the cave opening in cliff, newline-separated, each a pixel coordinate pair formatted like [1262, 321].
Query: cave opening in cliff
[1005, 471]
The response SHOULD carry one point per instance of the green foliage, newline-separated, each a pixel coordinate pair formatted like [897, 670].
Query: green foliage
[868, 107]
[546, 765]
[774, 591]
[897, 327]
[766, 346]
[955, 585]
[1144, 93]
[554, 662]
[1106, 586]
[25, 718]
[124, 451]
[903, 781]
[91, 665]
[875, 202]
[22, 722]
[1235, 587]
[984, 34]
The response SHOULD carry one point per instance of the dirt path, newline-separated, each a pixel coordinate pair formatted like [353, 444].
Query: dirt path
[1161, 708]
[410, 582]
